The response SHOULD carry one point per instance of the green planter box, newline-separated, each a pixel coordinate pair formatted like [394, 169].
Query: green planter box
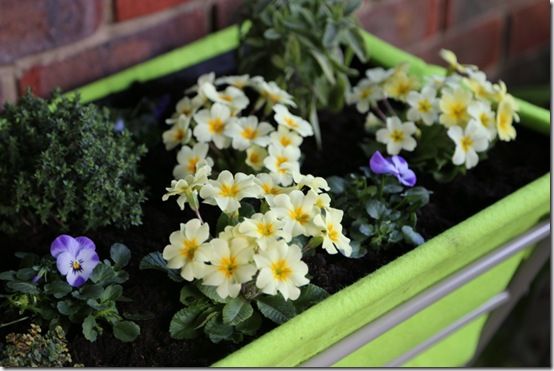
[321, 326]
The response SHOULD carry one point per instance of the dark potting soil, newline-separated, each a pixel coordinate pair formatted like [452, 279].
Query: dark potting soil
[509, 167]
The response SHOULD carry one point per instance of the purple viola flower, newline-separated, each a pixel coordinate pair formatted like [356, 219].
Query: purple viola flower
[395, 165]
[75, 258]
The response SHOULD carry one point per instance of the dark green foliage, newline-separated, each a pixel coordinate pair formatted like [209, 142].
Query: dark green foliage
[32, 349]
[378, 210]
[62, 164]
[38, 289]
[305, 46]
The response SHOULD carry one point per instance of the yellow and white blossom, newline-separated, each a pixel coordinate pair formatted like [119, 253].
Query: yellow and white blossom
[211, 125]
[283, 163]
[238, 81]
[191, 159]
[263, 228]
[322, 201]
[246, 131]
[479, 85]
[227, 191]
[481, 112]
[297, 210]
[400, 84]
[454, 105]
[452, 60]
[468, 142]
[365, 95]
[206, 78]
[272, 93]
[185, 107]
[379, 75]
[179, 133]
[333, 238]
[230, 265]
[255, 157]
[423, 106]
[315, 183]
[182, 254]
[268, 185]
[285, 137]
[397, 136]
[505, 117]
[281, 270]
[292, 122]
[231, 96]
[187, 188]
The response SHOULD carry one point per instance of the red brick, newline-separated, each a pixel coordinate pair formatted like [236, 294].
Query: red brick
[227, 12]
[479, 43]
[402, 22]
[128, 9]
[117, 54]
[530, 27]
[32, 26]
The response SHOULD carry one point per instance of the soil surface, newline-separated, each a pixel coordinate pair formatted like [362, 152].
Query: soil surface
[509, 167]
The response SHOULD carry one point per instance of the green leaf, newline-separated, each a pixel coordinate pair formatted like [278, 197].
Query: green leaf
[310, 294]
[223, 221]
[417, 196]
[188, 295]
[356, 42]
[155, 260]
[351, 6]
[217, 330]
[251, 325]
[58, 288]
[111, 293]
[120, 254]
[7, 276]
[237, 311]
[276, 308]
[182, 323]
[210, 292]
[91, 291]
[330, 34]
[23, 287]
[375, 209]
[89, 328]
[25, 274]
[271, 34]
[324, 64]
[102, 273]
[411, 236]
[64, 307]
[126, 331]
[337, 184]
[246, 210]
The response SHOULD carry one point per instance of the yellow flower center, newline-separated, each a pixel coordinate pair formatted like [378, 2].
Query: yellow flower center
[269, 189]
[366, 93]
[279, 161]
[249, 133]
[299, 215]
[332, 232]
[265, 229]
[179, 135]
[281, 270]
[228, 190]
[228, 266]
[285, 141]
[485, 120]
[397, 135]
[291, 123]
[186, 110]
[191, 164]
[215, 125]
[504, 121]
[424, 106]
[76, 265]
[466, 143]
[254, 158]
[458, 111]
[274, 98]
[226, 97]
[189, 248]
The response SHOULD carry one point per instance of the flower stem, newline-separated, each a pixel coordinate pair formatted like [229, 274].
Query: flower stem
[14, 322]
[197, 212]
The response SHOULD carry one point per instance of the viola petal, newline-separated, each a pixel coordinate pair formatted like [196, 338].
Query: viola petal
[63, 243]
[75, 279]
[63, 262]
[85, 243]
[380, 165]
[407, 177]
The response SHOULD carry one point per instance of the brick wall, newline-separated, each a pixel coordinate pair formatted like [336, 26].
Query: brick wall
[68, 43]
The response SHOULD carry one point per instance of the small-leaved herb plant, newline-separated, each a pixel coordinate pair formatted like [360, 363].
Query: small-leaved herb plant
[63, 164]
[38, 290]
[306, 46]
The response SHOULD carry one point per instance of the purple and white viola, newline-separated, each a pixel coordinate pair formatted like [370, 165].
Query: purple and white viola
[75, 258]
[395, 165]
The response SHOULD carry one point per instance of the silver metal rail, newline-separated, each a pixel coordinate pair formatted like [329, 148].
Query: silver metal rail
[429, 296]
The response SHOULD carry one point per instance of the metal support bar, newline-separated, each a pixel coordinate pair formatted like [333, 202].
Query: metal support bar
[491, 304]
[409, 308]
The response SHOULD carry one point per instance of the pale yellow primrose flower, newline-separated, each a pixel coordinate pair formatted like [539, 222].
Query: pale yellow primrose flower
[315, 183]
[454, 105]
[255, 157]
[452, 60]
[230, 265]
[322, 201]
[268, 184]
[181, 253]
[281, 270]
[207, 78]
[297, 211]
[185, 107]
[479, 85]
[400, 84]
[211, 125]
[179, 133]
[292, 122]
[191, 159]
[423, 106]
[397, 136]
[333, 239]
[285, 137]
[272, 93]
[227, 191]
[468, 142]
[505, 117]
[263, 228]
[365, 95]
[231, 96]
[379, 75]
[187, 188]
[246, 131]
[238, 81]
[283, 163]
[482, 114]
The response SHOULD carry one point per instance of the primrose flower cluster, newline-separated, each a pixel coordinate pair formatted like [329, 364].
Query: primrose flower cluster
[472, 112]
[211, 119]
[265, 247]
